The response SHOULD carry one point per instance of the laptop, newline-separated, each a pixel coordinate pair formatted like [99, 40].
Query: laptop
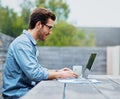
[89, 65]
[85, 71]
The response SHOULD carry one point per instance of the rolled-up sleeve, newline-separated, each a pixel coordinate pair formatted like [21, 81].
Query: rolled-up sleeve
[28, 62]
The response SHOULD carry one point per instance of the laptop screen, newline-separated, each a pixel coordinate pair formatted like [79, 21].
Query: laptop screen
[90, 61]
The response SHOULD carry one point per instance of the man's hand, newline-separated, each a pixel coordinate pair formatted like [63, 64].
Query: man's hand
[67, 73]
[65, 69]
[62, 73]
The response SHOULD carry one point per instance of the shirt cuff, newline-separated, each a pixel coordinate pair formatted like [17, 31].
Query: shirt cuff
[45, 73]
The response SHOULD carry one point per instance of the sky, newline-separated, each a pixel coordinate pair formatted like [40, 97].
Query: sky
[86, 13]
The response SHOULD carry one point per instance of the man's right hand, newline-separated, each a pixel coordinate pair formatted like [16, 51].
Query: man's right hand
[62, 73]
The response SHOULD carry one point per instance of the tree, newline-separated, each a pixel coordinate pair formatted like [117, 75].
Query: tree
[26, 6]
[0, 3]
[7, 19]
[64, 34]
[11, 23]
[59, 7]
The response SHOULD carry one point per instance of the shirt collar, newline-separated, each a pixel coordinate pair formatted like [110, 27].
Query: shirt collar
[30, 37]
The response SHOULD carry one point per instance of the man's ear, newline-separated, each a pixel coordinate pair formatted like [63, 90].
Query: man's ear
[38, 25]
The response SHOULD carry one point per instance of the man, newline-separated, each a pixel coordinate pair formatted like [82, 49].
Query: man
[22, 69]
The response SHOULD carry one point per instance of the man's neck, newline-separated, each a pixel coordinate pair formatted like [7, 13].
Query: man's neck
[33, 33]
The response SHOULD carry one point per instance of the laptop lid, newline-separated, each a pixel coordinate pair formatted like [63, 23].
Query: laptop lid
[90, 61]
[89, 65]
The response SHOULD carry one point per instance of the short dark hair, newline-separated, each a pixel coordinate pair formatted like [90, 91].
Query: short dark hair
[40, 14]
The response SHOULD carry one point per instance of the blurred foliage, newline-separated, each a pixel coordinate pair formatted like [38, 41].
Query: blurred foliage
[59, 7]
[64, 34]
[0, 3]
[11, 23]
[26, 7]
[8, 16]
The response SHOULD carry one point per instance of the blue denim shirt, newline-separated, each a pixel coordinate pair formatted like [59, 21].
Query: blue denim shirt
[22, 70]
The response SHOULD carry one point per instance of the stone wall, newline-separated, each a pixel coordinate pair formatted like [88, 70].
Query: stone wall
[5, 41]
[59, 57]
[3, 54]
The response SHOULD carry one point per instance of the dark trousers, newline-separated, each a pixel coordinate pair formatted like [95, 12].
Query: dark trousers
[9, 97]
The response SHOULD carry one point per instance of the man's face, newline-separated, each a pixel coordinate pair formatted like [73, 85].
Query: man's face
[45, 30]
